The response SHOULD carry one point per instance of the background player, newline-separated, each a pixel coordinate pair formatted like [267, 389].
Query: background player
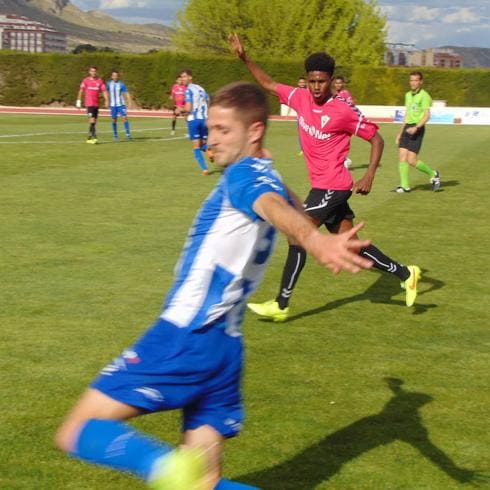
[192, 357]
[302, 82]
[119, 100]
[339, 89]
[411, 135]
[178, 98]
[91, 88]
[196, 108]
[326, 125]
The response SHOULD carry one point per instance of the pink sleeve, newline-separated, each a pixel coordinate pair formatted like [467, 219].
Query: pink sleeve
[103, 87]
[286, 94]
[82, 85]
[355, 123]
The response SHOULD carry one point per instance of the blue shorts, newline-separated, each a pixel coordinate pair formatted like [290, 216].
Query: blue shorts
[170, 367]
[197, 129]
[119, 110]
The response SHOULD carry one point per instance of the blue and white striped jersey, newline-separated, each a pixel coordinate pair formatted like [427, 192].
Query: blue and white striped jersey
[199, 98]
[226, 250]
[116, 89]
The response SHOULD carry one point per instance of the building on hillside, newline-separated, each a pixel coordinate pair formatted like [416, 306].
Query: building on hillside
[438, 57]
[22, 34]
[398, 54]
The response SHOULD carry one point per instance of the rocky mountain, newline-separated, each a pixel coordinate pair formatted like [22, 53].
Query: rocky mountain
[91, 27]
[473, 57]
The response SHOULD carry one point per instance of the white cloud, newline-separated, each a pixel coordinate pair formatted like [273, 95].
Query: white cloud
[119, 4]
[422, 13]
[461, 16]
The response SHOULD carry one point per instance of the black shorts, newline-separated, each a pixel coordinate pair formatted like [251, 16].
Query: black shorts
[412, 142]
[328, 207]
[93, 111]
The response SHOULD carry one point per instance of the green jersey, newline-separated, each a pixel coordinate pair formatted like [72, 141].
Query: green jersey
[416, 104]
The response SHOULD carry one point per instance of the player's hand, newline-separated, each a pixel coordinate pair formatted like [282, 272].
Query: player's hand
[412, 130]
[364, 184]
[78, 103]
[237, 45]
[397, 139]
[340, 252]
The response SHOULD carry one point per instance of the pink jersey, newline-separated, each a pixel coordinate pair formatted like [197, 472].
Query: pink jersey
[345, 94]
[325, 132]
[92, 87]
[178, 94]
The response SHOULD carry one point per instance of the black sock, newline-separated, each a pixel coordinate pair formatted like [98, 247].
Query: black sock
[292, 269]
[384, 263]
[92, 130]
[173, 124]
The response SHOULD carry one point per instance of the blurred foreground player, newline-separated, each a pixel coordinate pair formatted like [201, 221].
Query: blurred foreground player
[191, 358]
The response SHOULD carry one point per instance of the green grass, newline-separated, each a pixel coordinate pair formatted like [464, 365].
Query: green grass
[89, 238]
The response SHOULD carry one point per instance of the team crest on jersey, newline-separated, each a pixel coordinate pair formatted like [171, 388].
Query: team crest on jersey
[325, 120]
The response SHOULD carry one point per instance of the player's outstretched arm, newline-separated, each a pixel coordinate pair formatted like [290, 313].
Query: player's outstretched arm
[365, 183]
[335, 252]
[262, 78]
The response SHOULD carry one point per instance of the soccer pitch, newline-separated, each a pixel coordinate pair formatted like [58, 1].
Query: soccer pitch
[356, 391]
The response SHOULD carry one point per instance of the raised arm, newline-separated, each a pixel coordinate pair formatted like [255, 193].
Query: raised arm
[335, 252]
[262, 78]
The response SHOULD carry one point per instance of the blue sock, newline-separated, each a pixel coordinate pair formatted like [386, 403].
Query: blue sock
[114, 129]
[231, 485]
[126, 128]
[200, 159]
[204, 147]
[117, 445]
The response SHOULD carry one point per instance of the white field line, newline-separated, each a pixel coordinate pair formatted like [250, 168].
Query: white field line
[83, 141]
[50, 133]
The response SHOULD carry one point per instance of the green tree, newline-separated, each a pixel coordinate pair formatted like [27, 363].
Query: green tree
[353, 31]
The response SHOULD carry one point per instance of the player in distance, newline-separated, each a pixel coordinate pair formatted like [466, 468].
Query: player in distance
[91, 88]
[196, 109]
[411, 135]
[119, 100]
[178, 100]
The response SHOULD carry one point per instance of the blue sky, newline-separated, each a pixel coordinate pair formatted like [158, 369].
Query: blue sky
[429, 23]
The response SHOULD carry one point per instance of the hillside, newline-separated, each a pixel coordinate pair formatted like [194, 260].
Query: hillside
[91, 27]
[473, 57]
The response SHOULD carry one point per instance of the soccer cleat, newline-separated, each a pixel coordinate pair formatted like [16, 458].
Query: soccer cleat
[182, 469]
[205, 172]
[172, 133]
[92, 141]
[401, 190]
[436, 181]
[115, 137]
[410, 285]
[270, 309]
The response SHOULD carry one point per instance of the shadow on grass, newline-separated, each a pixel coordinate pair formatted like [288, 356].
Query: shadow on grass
[381, 291]
[428, 186]
[399, 420]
